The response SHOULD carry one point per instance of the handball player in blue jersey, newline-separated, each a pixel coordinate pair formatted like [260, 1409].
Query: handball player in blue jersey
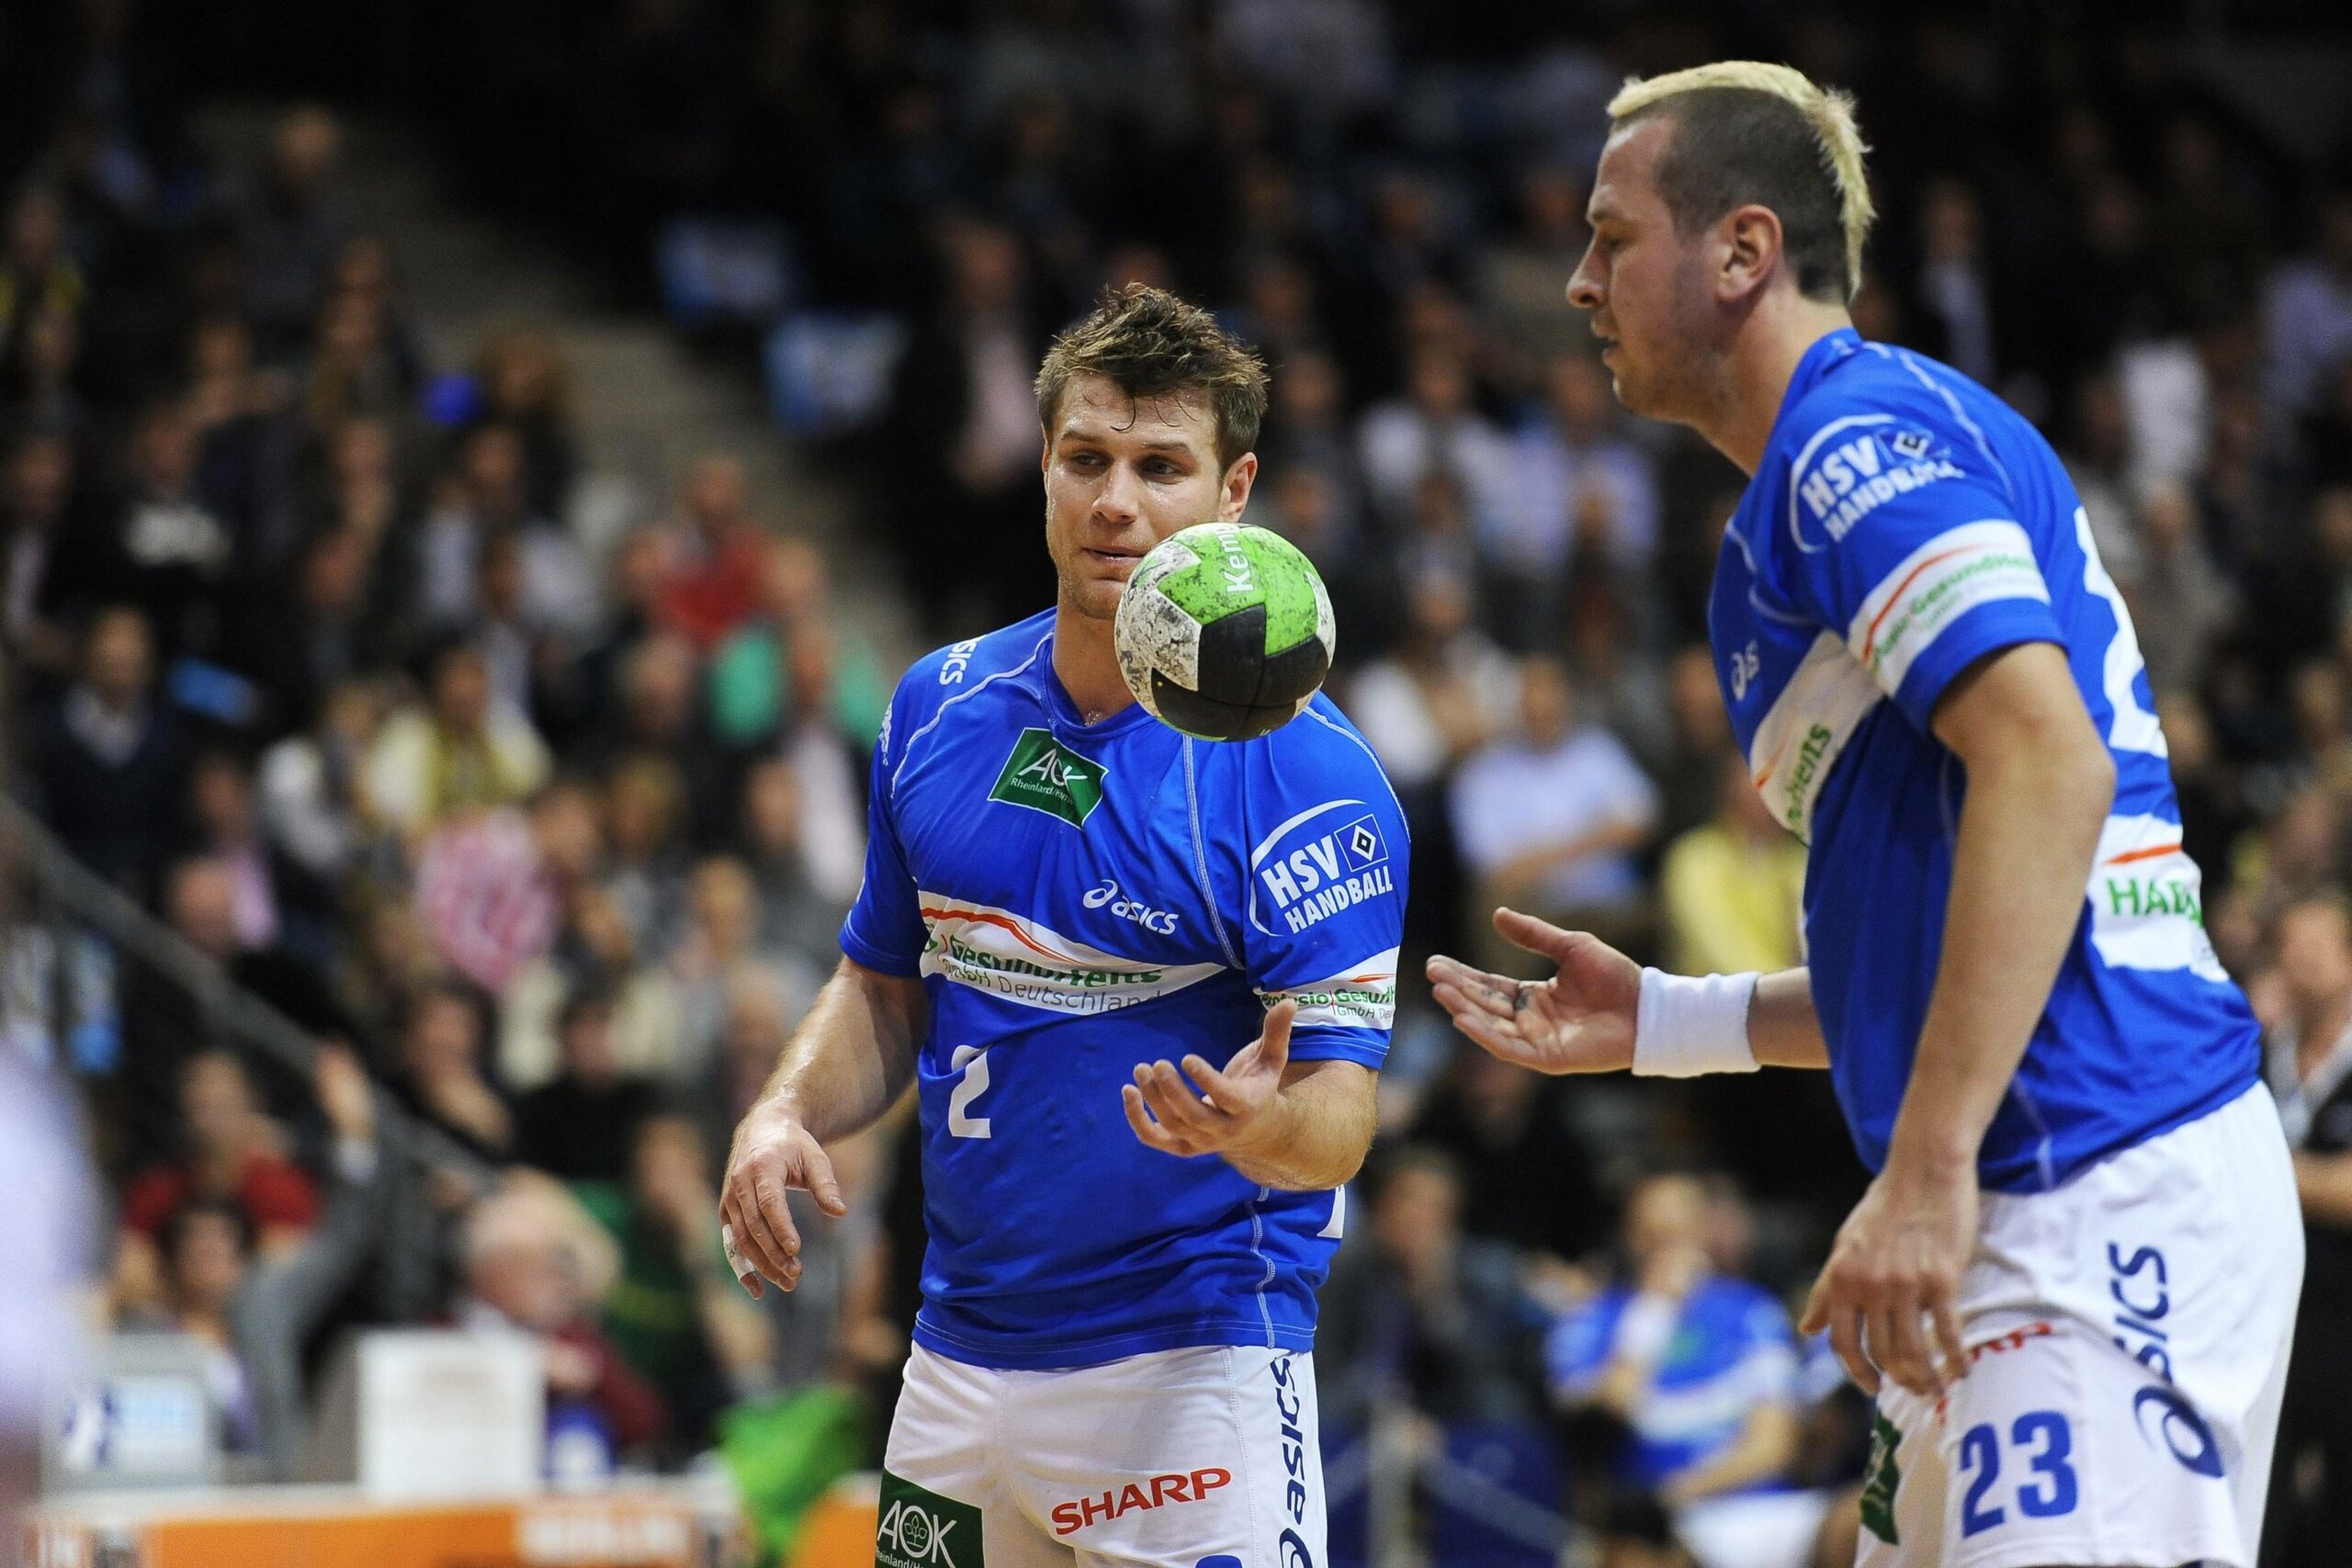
[2072, 1282]
[1142, 985]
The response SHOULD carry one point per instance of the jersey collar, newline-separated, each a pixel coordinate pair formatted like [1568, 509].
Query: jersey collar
[1829, 352]
[1047, 688]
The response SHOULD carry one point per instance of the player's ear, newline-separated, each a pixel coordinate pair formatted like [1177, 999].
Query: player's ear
[1750, 238]
[1045, 450]
[1237, 481]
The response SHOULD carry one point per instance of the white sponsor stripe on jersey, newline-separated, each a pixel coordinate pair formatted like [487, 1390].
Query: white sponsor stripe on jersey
[1363, 995]
[1960, 569]
[1019, 959]
[2147, 900]
[1807, 727]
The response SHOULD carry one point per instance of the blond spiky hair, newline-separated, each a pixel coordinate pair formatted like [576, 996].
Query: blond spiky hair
[1827, 111]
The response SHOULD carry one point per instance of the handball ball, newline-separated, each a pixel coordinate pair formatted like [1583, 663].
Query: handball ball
[1224, 631]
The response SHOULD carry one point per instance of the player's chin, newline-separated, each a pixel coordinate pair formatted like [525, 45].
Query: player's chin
[1094, 597]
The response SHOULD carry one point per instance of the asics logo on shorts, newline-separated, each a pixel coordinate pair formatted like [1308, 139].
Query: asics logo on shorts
[2179, 1419]
[1287, 1405]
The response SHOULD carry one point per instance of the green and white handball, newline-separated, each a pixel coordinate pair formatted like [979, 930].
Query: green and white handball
[1224, 631]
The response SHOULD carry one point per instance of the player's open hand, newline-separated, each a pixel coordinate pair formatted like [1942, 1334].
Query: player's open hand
[1579, 1021]
[1889, 1293]
[774, 1154]
[1232, 1105]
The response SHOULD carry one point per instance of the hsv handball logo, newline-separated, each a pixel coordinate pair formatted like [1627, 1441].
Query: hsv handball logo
[1304, 871]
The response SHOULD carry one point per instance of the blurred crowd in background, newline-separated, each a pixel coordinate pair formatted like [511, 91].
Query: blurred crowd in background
[547, 835]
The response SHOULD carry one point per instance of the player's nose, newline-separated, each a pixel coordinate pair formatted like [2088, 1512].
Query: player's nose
[1121, 497]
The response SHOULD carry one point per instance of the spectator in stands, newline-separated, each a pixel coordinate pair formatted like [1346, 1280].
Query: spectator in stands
[1549, 819]
[1417, 1311]
[711, 582]
[301, 631]
[582, 1124]
[107, 760]
[1585, 493]
[524, 384]
[1434, 428]
[456, 752]
[535, 1262]
[659, 718]
[255, 1311]
[1731, 892]
[646, 868]
[176, 555]
[2308, 311]
[1444, 692]
[486, 496]
[722, 936]
[49, 565]
[757, 677]
[1697, 1367]
[676, 1313]
[287, 227]
[2179, 601]
[310, 785]
[2311, 1071]
[439, 1072]
[962, 424]
[234, 1156]
[795, 918]
[1525, 1175]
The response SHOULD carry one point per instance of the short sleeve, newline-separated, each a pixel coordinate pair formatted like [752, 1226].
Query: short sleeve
[1909, 543]
[885, 929]
[1324, 910]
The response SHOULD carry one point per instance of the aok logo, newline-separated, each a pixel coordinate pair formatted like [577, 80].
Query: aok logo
[916, 1533]
[1045, 776]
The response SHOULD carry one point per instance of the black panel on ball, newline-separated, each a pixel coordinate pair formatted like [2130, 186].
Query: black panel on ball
[1196, 715]
[1233, 650]
[1294, 672]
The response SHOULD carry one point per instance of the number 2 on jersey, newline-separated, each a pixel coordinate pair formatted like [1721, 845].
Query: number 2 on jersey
[2135, 728]
[972, 1061]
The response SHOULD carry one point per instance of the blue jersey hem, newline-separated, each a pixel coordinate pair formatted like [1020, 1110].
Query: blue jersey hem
[2020, 1176]
[1025, 1353]
[863, 951]
[1322, 1042]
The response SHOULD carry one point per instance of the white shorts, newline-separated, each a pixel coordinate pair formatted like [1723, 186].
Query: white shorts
[2128, 1337]
[1179, 1458]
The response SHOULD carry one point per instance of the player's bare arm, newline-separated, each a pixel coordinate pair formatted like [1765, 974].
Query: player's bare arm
[2040, 783]
[1582, 1018]
[1296, 1126]
[849, 1061]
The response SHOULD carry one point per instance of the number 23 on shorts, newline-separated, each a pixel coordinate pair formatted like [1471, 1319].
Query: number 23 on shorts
[2043, 1444]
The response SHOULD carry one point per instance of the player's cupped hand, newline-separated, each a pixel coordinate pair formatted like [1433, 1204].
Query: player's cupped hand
[1579, 1021]
[774, 1154]
[1889, 1293]
[1169, 1115]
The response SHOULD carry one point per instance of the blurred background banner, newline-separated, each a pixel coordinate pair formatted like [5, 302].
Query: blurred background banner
[471, 474]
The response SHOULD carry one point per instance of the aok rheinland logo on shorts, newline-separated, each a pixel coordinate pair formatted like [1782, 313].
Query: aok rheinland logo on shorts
[1046, 775]
[920, 1528]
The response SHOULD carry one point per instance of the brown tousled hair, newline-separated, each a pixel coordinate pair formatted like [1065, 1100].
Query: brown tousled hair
[1149, 343]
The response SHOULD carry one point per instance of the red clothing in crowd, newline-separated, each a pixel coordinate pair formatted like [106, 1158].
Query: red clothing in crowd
[709, 593]
[274, 1194]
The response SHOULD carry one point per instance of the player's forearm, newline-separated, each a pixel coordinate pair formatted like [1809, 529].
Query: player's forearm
[1762, 1452]
[2028, 830]
[852, 1056]
[1783, 1029]
[1316, 1133]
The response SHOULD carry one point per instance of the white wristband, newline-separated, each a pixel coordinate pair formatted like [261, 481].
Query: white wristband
[1686, 1025]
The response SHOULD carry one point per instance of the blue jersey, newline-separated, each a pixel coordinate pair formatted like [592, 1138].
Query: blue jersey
[1078, 899]
[1732, 1353]
[1903, 523]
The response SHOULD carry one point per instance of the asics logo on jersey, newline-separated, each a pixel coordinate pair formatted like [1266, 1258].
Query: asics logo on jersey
[1178, 1486]
[1745, 666]
[951, 670]
[1046, 775]
[1107, 897]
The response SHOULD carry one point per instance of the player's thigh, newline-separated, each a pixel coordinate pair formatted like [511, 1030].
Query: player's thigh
[943, 1502]
[2055, 1449]
[1178, 1459]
